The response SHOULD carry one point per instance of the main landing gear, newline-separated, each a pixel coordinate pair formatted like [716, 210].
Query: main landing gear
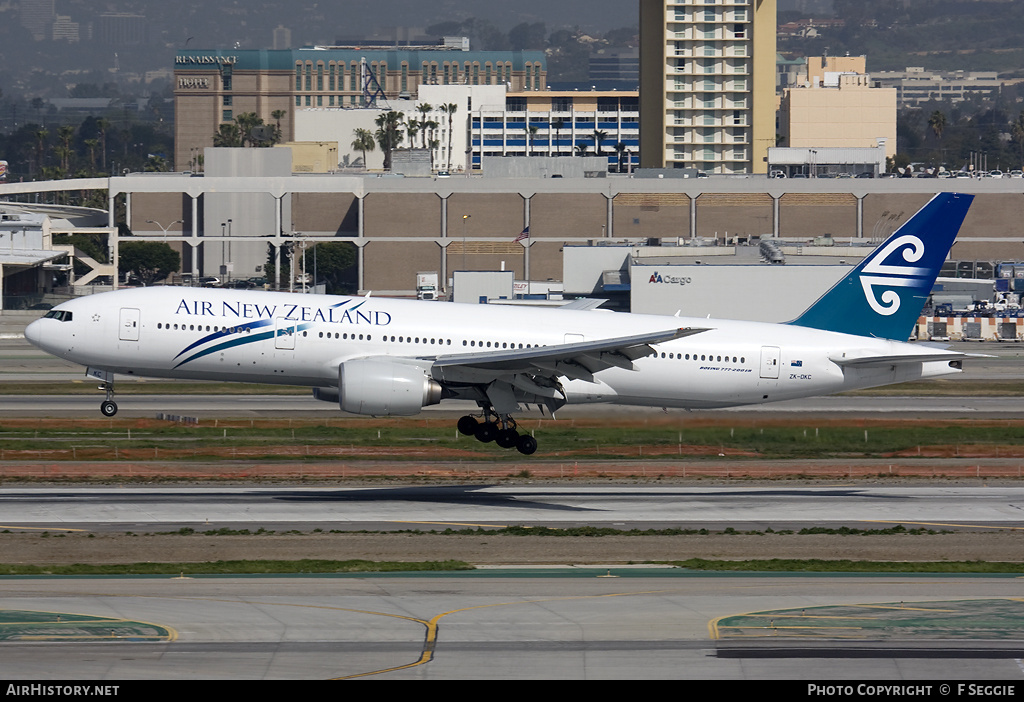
[499, 429]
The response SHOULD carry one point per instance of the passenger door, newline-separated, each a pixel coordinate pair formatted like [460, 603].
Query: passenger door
[128, 329]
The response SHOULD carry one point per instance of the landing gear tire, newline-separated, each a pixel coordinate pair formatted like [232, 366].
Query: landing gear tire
[108, 408]
[468, 425]
[487, 432]
[507, 438]
[526, 445]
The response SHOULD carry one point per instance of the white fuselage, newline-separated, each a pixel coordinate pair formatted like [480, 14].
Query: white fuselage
[295, 339]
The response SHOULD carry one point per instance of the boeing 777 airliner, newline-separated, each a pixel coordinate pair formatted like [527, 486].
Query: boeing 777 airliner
[388, 357]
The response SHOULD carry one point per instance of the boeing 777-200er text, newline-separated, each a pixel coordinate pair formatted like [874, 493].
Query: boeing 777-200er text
[387, 357]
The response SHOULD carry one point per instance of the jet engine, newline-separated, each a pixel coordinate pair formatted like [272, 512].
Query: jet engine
[382, 388]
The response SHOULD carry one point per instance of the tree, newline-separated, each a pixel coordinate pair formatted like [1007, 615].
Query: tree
[389, 134]
[450, 109]
[335, 264]
[91, 144]
[937, 123]
[1017, 134]
[557, 125]
[528, 36]
[66, 134]
[599, 137]
[41, 135]
[278, 115]
[102, 125]
[149, 261]
[363, 142]
[228, 135]
[424, 109]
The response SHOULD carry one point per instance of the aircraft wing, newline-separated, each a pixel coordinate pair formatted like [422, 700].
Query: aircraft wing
[578, 360]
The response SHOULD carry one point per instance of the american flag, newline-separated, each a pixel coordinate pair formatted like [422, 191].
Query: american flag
[525, 234]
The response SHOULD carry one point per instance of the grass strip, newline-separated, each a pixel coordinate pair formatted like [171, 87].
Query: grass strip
[236, 568]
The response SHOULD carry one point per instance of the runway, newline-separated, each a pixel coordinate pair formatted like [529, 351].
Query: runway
[426, 507]
[499, 624]
[523, 625]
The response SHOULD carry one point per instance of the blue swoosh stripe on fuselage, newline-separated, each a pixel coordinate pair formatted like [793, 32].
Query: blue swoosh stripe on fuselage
[248, 326]
[239, 342]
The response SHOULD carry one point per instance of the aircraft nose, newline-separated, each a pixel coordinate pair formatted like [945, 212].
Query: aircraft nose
[34, 333]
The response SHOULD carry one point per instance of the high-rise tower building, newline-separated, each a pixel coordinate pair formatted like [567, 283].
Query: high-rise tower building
[37, 17]
[707, 84]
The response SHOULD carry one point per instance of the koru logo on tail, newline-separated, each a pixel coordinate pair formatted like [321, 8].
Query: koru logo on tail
[889, 276]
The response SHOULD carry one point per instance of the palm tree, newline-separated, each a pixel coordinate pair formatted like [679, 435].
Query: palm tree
[531, 133]
[424, 109]
[247, 122]
[389, 134]
[40, 134]
[599, 136]
[557, 125]
[411, 130]
[91, 144]
[102, 125]
[450, 109]
[278, 115]
[620, 149]
[433, 145]
[65, 133]
[937, 123]
[363, 142]
[228, 135]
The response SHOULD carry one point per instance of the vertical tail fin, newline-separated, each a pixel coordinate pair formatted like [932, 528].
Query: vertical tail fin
[883, 296]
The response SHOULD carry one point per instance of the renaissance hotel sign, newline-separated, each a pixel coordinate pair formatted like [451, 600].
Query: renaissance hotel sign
[205, 60]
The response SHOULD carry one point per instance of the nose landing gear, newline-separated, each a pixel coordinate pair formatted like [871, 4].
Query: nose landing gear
[108, 407]
[501, 429]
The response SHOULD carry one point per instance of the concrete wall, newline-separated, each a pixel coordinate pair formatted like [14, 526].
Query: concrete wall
[326, 214]
[730, 215]
[417, 217]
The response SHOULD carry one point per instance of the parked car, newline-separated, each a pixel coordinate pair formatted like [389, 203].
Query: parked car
[209, 281]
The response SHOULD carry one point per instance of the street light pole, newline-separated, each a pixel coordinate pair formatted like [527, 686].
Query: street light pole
[162, 227]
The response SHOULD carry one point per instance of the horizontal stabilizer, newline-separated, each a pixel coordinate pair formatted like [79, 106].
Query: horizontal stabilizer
[848, 359]
[583, 303]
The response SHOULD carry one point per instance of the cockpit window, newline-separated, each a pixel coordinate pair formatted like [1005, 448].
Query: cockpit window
[60, 315]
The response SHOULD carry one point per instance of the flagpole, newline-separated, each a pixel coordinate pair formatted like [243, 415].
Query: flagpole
[524, 238]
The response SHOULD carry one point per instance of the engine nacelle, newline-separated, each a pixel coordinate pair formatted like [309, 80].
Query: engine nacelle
[384, 389]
